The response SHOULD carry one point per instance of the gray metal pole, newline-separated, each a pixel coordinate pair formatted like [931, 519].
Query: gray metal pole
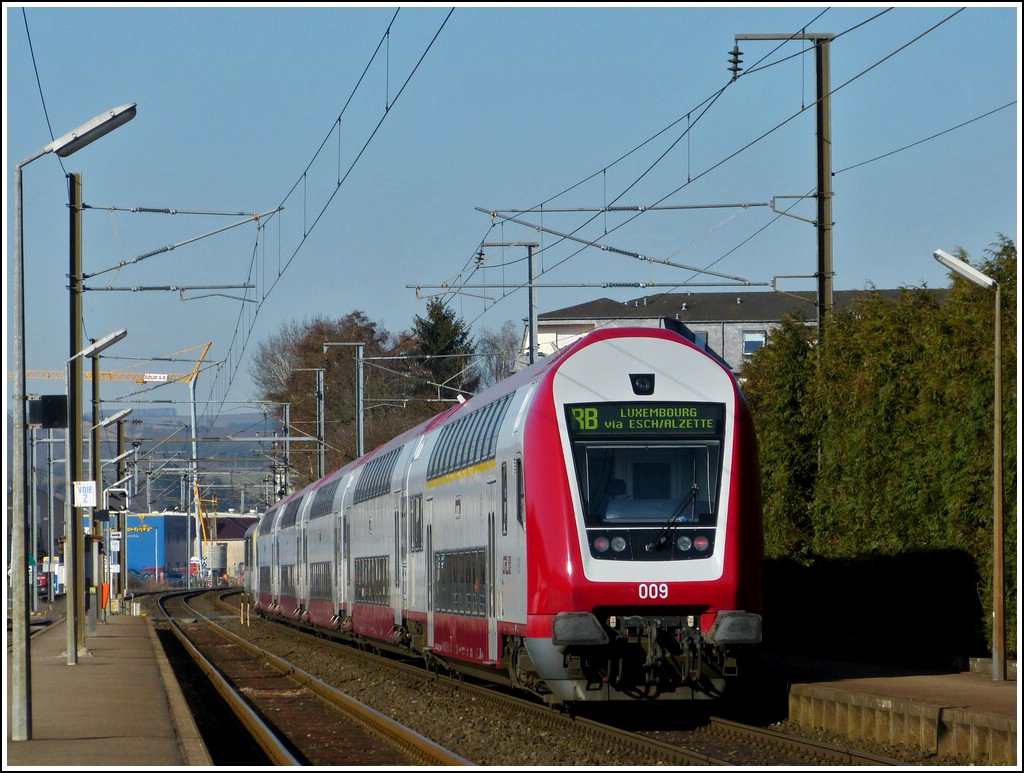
[531, 291]
[51, 548]
[998, 602]
[74, 545]
[287, 449]
[21, 675]
[359, 389]
[359, 401]
[320, 428]
[533, 305]
[194, 483]
[96, 473]
[824, 121]
[34, 552]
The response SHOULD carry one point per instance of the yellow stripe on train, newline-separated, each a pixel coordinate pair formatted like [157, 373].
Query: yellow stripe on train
[465, 472]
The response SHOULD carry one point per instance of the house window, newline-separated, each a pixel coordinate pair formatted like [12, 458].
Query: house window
[752, 341]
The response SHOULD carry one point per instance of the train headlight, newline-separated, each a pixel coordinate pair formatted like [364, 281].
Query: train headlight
[700, 543]
[601, 544]
[618, 544]
[684, 543]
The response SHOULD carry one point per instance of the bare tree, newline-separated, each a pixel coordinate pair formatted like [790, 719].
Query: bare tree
[497, 352]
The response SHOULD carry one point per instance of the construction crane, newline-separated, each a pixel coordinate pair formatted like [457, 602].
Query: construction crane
[138, 378]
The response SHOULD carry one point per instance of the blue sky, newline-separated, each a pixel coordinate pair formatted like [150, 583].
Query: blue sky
[381, 149]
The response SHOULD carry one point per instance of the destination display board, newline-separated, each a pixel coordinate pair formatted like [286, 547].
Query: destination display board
[644, 418]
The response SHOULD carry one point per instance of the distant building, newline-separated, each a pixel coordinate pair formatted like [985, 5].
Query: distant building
[731, 326]
[158, 543]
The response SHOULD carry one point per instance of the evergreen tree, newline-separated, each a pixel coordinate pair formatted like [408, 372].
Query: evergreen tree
[445, 348]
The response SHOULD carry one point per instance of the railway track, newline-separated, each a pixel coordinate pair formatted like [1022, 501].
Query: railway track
[293, 717]
[716, 741]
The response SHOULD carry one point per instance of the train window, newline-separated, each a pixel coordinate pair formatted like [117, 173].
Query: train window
[320, 580]
[288, 579]
[475, 440]
[520, 494]
[267, 521]
[626, 483]
[444, 449]
[323, 501]
[371, 576]
[375, 478]
[416, 522]
[291, 510]
[504, 498]
[469, 440]
[460, 582]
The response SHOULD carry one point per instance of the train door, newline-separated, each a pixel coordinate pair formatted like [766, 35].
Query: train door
[403, 547]
[275, 570]
[428, 510]
[346, 551]
[490, 498]
[302, 579]
[396, 553]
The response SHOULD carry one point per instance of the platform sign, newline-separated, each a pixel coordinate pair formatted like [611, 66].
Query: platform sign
[85, 493]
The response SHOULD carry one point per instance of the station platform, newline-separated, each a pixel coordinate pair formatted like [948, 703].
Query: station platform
[119, 705]
[967, 713]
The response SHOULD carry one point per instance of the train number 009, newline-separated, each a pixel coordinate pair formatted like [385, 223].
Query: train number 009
[654, 590]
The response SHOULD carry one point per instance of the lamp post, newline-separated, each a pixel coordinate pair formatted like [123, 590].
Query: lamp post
[972, 274]
[21, 681]
[73, 559]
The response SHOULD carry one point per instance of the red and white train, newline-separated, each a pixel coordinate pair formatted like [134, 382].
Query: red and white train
[588, 529]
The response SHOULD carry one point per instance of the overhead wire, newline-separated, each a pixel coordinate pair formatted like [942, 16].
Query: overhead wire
[247, 330]
[736, 153]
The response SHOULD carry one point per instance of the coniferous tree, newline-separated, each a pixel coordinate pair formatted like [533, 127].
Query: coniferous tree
[445, 349]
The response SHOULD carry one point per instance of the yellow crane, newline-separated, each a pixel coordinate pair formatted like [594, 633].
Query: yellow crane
[139, 378]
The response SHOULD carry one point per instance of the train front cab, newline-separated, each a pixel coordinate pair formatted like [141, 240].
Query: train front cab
[656, 499]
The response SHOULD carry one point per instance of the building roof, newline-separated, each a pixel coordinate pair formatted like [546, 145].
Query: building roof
[690, 307]
[234, 527]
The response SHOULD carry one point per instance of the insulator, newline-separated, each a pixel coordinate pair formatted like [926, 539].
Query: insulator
[735, 61]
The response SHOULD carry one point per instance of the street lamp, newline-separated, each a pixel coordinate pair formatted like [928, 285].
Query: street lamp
[111, 419]
[21, 681]
[72, 530]
[972, 274]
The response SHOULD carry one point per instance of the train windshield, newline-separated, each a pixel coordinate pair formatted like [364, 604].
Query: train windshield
[644, 464]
